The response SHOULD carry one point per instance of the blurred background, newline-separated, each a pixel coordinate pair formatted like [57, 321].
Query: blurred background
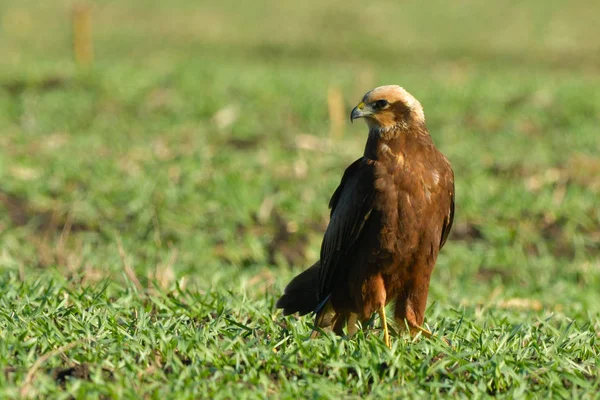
[185, 141]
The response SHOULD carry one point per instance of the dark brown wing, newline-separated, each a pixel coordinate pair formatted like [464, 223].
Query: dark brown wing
[351, 205]
[448, 220]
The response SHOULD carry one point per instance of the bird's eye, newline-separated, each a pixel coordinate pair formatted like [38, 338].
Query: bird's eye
[380, 104]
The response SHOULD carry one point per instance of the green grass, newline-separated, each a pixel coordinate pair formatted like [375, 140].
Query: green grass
[153, 207]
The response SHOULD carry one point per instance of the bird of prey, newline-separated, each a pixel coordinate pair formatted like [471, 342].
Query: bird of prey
[390, 216]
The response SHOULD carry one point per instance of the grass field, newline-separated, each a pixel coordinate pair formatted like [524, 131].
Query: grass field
[154, 205]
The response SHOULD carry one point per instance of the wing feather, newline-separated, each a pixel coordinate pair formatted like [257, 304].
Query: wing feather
[351, 206]
[448, 220]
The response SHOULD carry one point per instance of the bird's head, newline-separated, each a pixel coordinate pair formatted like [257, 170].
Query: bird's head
[389, 107]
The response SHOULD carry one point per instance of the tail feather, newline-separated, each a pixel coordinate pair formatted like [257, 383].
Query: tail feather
[300, 295]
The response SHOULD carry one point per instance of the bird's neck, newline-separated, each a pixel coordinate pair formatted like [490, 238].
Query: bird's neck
[395, 139]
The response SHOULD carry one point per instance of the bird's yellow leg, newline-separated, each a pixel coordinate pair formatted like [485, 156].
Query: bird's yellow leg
[427, 334]
[424, 331]
[386, 334]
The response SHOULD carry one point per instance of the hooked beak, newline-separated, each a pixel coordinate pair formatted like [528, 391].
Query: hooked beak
[359, 112]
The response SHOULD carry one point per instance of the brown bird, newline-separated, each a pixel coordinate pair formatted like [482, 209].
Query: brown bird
[390, 216]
